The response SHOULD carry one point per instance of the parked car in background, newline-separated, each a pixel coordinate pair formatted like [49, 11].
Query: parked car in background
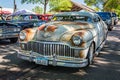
[45, 17]
[70, 39]
[107, 17]
[25, 20]
[115, 17]
[9, 31]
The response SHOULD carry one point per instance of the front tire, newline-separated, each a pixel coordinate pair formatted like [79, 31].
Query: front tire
[90, 55]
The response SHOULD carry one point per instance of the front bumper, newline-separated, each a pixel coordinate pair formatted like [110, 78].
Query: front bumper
[54, 60]
[8, 35]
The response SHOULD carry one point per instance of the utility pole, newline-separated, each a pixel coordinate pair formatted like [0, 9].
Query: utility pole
[0, 12]
[15, 6]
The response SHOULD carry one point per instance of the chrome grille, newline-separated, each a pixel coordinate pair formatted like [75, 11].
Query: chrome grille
[6, 29]
[49, 48]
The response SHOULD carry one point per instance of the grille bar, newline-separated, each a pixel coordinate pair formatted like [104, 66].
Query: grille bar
[6, 29]
[49, 48]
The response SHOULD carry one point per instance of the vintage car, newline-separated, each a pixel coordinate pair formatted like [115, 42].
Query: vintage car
[45, 17]
[115, 17]
[9, 31]
[25, 20]
[71, 39]
[108, 18]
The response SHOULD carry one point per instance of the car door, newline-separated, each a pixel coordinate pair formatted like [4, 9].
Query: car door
[105, 29]
[99, 29]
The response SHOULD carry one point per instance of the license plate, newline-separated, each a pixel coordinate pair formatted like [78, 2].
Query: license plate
[42, 61]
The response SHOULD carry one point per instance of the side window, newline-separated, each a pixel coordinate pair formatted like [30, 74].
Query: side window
[27, 18]
[96, 19]
[99, 19]
[9, 18]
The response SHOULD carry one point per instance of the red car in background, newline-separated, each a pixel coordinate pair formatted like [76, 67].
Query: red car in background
[4, 13]
[45, 17]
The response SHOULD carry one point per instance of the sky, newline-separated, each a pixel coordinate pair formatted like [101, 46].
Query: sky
[9, 4]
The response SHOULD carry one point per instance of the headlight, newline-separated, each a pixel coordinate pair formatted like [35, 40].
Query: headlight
[76, 39]
[22, 35]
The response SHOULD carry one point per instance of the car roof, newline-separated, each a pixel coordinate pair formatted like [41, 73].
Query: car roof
[28, 14]
[104, 13]
[91, 14]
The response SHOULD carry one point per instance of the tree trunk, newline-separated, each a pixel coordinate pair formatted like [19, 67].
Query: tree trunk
[45, 5]
[14, 6]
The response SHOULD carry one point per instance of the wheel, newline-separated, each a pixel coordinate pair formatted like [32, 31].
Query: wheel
[110, 28]
[90, 55]
[13, 40]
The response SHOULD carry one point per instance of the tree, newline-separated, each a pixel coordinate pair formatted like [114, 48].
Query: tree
[43, 2]
[55, 5]
[60, 5]
[38, 10]
[97, 3]
[105, 5]
[15, 6]
[111, 5]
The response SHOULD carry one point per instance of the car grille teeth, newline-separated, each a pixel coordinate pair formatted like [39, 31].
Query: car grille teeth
[48, 48]
[6, 29]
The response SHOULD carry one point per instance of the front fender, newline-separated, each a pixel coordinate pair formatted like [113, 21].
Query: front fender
[30, 32]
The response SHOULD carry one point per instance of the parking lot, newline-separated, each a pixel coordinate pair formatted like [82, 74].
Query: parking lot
[105, 67]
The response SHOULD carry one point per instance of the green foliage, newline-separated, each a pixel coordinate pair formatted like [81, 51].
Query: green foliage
[38, 10]
[60, 5]
[111, 5]
[43, 2]
[106, 5]
[95, 3]
[34, 1]
[55, 5]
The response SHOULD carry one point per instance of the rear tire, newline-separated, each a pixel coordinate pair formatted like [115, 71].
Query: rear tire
[90, 55]
[13, 40]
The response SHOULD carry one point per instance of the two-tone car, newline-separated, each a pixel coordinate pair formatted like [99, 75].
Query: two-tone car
[70, 39]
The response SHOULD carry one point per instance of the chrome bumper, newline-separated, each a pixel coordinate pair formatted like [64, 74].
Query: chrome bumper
[54, 60]
[8, 35]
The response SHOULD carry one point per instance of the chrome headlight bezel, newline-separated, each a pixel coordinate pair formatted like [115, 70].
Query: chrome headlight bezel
[22, 35]
[76, 39]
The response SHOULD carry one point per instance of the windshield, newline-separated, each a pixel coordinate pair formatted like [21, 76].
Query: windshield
[72, 18]
[104, 15]
[23, 17]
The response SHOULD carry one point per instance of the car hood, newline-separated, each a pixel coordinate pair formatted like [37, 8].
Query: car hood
[5, 23]
[54, 31]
